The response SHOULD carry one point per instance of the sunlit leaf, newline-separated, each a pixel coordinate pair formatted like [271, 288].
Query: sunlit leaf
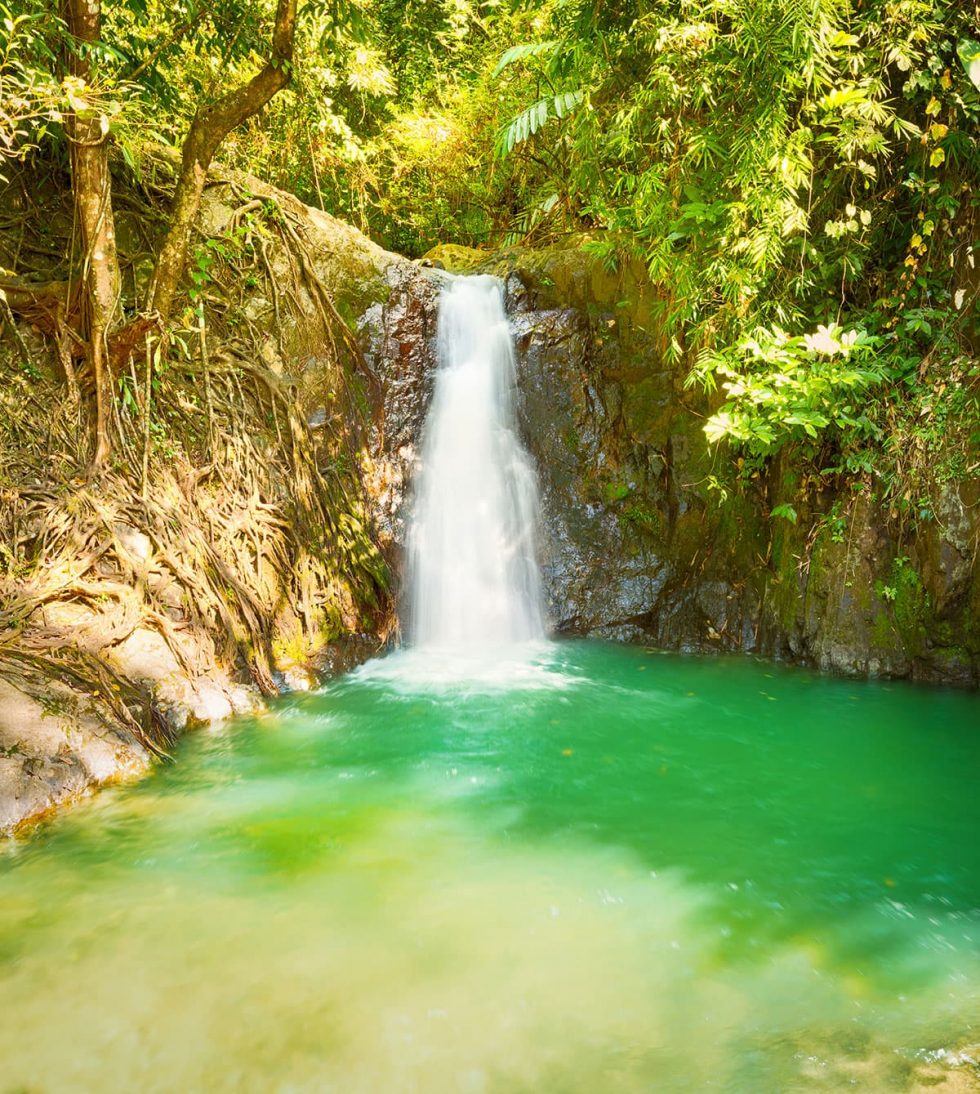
[968, 52]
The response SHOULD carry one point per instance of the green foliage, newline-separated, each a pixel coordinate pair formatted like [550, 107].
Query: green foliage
[969, 54]
[529, 121]
[799, 181]
[835, 522]
[780, 388]
[29, 93]
[781, 169]
[522, 53]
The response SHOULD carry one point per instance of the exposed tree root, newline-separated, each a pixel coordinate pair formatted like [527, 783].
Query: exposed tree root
[226, 524]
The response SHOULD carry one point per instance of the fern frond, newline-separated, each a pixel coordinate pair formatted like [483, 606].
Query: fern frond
[529, 121]
[521, 52]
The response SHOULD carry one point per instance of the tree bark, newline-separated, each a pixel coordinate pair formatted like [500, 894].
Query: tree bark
[211, 124]
[88, 133]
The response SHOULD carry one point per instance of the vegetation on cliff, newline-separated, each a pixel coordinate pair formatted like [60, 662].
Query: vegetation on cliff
[176, 517]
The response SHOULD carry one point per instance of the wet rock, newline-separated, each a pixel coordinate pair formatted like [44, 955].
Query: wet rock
[635, 547]
[398, 336]
[564, 421]
[346, 653]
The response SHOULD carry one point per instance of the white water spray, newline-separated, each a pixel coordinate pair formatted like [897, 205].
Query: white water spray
[472, 570]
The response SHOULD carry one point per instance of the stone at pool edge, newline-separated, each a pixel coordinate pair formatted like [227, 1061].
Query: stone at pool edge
[54, 752]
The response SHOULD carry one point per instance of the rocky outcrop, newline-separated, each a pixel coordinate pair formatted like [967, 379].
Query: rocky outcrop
[53, 749]
[628, 532]
[398, 335]
[149, 620]
[639, 544]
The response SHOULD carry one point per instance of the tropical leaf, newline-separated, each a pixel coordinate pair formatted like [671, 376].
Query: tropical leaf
[522, 52]
[530, 120]
[969, 54]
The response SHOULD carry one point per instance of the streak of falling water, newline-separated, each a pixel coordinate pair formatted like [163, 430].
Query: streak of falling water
[473, 577]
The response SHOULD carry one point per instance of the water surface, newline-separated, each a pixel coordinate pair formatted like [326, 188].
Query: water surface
[611, 870]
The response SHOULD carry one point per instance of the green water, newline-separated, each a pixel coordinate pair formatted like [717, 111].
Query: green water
[622, 871]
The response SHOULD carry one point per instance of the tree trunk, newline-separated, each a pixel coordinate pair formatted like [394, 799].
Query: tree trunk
[88, 133]
[211, 124]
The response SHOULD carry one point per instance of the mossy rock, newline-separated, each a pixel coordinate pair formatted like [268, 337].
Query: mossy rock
[453, 257]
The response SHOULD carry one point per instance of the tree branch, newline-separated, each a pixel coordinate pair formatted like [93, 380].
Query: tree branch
[210, 126]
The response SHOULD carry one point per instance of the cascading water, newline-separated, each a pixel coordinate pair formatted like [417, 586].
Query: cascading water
[473, 578]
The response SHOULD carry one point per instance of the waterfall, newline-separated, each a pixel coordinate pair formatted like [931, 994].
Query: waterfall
[472, 570]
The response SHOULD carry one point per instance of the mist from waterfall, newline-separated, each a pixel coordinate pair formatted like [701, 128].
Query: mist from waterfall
[473, 577]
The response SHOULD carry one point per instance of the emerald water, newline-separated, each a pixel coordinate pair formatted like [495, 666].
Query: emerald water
[613, 870]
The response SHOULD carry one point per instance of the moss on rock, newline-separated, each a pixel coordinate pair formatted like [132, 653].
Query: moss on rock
[454, 258]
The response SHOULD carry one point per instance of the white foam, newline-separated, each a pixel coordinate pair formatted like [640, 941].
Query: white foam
[482, 667]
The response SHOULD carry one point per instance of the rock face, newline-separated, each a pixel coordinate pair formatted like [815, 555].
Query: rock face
[636, 542]
[639, 546]
[398, 336]
[597, 580]
[628, 550]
